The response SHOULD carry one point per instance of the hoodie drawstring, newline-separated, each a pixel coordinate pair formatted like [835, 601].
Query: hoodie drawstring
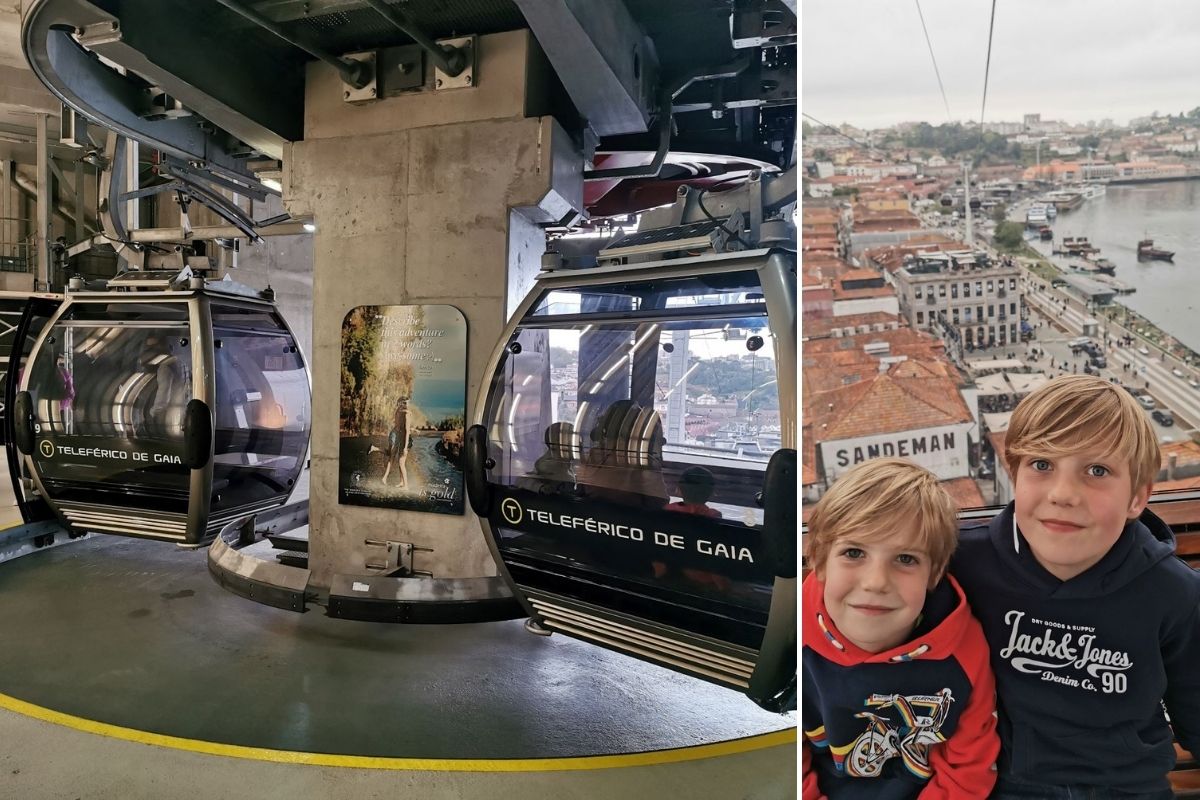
[828, 635]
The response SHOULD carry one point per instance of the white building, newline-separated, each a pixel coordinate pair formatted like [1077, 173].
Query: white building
[965, 297]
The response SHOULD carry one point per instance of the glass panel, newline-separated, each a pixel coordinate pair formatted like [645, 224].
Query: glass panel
[262, 407]
[705, 290]
[11, 310]
[637, 449]
[109, 397]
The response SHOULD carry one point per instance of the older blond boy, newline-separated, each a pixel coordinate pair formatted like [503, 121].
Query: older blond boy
[1092, 623]
[898, 697]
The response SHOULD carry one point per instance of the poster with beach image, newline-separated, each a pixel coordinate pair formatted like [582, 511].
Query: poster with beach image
[403, 407]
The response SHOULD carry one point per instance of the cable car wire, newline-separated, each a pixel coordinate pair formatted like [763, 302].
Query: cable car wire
[987, 68]
[835, 130]
[934, 59]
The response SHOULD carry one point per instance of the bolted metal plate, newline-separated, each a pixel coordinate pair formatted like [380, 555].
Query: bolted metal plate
[400, 69]
[368, 92]
[465, 79]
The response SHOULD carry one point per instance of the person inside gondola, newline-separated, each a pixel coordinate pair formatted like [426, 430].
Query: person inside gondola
[696, 488]
[554, 471]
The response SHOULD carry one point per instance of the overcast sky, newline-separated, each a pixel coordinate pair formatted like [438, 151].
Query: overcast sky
[866, 61]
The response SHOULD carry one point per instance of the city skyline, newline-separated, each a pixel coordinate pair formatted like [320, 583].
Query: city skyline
[1072, 60]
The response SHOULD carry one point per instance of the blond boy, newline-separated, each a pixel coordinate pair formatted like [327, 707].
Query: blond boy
[1092, 623]
[898, 698]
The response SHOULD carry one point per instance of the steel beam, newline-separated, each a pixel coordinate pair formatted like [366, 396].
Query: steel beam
[215, 232]
[28, 188]
[449, 60]
[80, 226]
[605, 61]
[7, 239]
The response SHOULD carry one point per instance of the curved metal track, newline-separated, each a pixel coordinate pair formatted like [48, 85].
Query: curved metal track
[66, 40]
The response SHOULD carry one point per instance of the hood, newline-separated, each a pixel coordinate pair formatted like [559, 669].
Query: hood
[1143, 543]
[939, 631]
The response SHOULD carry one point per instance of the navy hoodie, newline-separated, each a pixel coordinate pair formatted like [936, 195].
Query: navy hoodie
[1084, 666]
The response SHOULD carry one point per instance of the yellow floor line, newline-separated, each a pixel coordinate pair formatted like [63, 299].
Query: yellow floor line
[9, 527]
[693, 753]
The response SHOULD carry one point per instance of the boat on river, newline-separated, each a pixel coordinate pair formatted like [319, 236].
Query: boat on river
[1100, 264]
[1147, 250]
[1076, 246]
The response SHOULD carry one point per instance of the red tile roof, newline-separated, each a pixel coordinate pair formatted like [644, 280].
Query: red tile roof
[965, 492]
[808, 457]
[817, 329]
[885, 404]
[891, 258]
[886, 224]
[862, 294]
[861, 274]
[816, 215]
[905, 341]
[826, 265]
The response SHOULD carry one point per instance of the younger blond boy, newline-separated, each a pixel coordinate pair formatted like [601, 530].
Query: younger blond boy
[1092, 622]
[898, 698]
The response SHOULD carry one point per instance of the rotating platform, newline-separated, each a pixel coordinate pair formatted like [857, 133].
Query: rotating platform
[137, 635]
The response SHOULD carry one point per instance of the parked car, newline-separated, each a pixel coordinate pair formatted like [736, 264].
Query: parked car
[1162, 417]
[1146, 400]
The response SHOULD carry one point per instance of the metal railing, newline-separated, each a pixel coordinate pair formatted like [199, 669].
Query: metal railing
[16, 254]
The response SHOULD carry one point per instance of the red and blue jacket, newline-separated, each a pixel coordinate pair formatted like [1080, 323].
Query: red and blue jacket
[916, 721]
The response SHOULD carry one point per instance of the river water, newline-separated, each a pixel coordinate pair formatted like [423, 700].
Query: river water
[1169, 213]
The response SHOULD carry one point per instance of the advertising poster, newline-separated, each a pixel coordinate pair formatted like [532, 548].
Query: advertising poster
[403, 408]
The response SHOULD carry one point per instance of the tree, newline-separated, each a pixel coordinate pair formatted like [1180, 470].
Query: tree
[999, 214]
[1009, 235]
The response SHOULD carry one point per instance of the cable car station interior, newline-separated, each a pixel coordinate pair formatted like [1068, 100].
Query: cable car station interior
[399, 398]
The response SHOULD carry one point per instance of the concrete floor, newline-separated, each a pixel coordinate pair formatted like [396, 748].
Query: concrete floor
[42, 761]
[136, 634]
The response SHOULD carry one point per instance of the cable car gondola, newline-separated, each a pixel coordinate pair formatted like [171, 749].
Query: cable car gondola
[633, 463]
[163, 406]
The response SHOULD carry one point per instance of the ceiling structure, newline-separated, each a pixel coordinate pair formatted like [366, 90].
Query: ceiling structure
[219, 84]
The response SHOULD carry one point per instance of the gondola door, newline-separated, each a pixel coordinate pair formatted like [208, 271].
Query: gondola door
[631, 464]
[22, 317]
[113, 411]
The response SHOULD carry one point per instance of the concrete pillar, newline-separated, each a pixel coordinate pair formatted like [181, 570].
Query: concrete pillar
[412, 197]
